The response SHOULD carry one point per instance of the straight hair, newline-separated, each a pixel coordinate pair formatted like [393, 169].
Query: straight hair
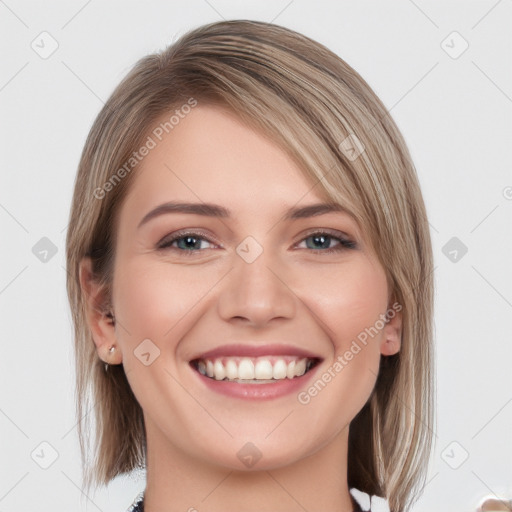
[318, 110]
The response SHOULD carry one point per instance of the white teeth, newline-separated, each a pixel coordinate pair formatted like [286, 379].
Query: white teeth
[290, 371]
[262, 369]
[231, 369]
[218, 370]
[246, 369]
[300, 368]
[279, 371]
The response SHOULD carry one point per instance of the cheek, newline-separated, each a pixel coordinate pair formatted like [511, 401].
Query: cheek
[158, 301]
[348, 302]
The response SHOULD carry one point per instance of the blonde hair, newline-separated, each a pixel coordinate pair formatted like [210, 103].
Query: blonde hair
[308, 101]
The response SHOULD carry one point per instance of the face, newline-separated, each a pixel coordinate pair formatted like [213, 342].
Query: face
[243, 323]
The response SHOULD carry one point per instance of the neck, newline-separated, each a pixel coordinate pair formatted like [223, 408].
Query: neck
[178, 482]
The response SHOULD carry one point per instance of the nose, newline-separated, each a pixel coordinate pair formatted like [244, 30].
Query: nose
[257, 292]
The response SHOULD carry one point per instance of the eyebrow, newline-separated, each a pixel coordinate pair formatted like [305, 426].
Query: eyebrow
[214, 210]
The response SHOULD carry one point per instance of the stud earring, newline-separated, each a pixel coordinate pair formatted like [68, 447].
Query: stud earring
[110, 352]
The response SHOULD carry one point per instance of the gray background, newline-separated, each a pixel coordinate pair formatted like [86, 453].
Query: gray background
[454, 110]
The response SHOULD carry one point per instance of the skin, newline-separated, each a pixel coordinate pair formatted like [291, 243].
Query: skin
[496, 505]
[187, 304]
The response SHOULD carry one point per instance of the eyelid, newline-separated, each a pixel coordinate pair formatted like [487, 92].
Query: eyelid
[334, 233]
[172, 237]
[346, 241]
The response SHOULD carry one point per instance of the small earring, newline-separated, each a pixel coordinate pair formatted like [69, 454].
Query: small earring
[110, 351]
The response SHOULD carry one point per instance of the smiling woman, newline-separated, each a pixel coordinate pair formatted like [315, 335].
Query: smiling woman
[253, 301]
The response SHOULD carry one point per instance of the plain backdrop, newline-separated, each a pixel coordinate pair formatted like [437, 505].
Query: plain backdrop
[443, 69]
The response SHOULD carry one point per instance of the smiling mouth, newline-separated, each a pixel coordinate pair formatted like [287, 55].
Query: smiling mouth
[255, 370]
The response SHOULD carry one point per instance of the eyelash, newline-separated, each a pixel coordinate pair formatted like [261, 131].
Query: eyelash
[344, 243]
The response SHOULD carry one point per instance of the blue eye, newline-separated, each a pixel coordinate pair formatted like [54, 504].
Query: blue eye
[192, 242]
[323, 242]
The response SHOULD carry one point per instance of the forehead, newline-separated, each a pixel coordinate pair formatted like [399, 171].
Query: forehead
[212, 156]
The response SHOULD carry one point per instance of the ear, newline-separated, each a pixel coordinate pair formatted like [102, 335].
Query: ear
[100, 323]
[392, 332]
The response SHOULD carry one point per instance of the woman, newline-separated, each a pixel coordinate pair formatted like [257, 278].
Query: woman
[250, 276]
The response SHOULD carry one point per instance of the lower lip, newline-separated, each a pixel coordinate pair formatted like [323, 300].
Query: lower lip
[257, 391]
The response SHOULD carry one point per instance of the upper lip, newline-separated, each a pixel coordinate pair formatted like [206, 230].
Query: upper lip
[244, 350]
